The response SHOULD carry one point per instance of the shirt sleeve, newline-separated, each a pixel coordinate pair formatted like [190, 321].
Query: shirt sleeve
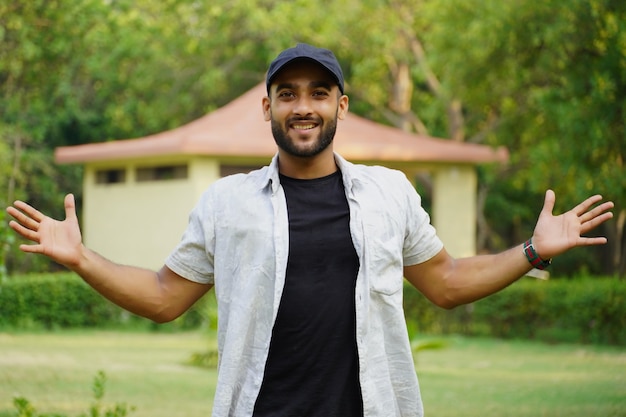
[421, 242]
[193, 257]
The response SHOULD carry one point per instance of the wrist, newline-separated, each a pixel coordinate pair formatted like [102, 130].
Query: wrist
[533, 257]
[80, 260]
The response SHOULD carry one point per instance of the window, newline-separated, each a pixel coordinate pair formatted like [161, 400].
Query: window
[111, 176]
[162, 173]
[226, 170]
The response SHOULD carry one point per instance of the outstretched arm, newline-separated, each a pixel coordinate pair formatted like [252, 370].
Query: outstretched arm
[450, 282]
[161, 296]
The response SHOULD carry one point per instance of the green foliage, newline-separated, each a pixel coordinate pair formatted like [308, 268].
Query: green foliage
[55, 300]
[63, 300]
[7, 239]
[545, 79]
[582, 310]
[206, 359]
[421, 345]
[97, 409]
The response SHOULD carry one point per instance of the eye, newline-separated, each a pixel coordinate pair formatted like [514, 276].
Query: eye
[320, 94]
[286, 94]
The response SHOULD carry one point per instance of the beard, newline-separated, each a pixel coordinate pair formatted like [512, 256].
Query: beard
[288, 145]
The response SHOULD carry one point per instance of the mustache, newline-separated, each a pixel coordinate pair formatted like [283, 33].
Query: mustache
[304, 119]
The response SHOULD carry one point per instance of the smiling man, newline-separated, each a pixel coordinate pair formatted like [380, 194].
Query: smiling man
[307, 258]
[305, 99]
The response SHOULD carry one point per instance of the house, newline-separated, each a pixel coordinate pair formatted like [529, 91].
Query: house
[138, 192]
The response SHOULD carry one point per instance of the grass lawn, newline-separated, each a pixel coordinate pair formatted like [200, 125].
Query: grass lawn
[55, 371]
[469, 377]
[486, 377]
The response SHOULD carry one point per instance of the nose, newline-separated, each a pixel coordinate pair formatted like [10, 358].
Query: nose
[303, 106]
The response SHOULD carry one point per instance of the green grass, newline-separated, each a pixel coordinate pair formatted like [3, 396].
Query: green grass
[468, 377]
[55, 371]
[486, 377]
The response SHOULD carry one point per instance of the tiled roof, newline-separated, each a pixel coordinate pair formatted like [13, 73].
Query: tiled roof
[238, 129]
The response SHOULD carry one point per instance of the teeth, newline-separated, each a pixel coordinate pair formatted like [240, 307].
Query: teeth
[304, 127]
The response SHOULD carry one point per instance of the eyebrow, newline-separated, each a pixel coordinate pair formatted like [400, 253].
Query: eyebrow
[312, 84]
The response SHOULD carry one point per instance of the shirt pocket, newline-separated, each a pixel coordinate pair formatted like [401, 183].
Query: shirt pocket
[383, 236]
[385, 266]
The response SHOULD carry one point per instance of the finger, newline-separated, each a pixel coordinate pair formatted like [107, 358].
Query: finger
[597, 211]
[22, 218]
[70, 207]
[585, 205]
[13, 212]
[590, 241]
[31, 211]
[31, 248]
[24, 231]
[548, 202]
[595, 222]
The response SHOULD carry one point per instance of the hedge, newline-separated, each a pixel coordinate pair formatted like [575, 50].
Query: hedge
[64, 300]
[582, 310]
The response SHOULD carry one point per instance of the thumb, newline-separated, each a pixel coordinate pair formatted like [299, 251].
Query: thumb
[548, 203]
[70, 207]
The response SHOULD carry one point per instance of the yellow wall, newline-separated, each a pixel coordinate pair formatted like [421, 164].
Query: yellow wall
[139, 223]
[454, 208]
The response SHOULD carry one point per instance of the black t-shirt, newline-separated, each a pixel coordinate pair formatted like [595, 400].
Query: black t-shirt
[312, 368]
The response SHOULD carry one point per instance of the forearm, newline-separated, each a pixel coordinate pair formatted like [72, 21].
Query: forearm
[471, 279]
[450, 282]
[137, 290]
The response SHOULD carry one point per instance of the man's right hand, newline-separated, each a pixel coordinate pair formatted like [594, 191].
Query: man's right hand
[61, 241]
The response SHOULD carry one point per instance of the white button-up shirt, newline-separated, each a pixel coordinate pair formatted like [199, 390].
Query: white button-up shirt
[238, 240]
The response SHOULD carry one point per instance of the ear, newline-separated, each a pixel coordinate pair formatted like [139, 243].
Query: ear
[267, 112]
[344, 102]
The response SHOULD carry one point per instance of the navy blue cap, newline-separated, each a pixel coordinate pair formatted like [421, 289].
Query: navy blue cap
[324, 57]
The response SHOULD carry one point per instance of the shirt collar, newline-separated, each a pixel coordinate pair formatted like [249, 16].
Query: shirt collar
[347, 172]
[271, 177]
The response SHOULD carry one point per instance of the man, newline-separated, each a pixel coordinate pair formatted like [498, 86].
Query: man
[307, 257]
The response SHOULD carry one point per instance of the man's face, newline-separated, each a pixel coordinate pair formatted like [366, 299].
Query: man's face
[303, 107]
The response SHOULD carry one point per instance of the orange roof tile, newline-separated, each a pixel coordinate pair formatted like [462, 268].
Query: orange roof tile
[238, 129]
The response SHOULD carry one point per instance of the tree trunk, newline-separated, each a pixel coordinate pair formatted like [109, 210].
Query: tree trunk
[483, 231]
[619, 245]
[17, 152]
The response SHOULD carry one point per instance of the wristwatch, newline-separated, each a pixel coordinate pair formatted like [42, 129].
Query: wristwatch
[533, 257]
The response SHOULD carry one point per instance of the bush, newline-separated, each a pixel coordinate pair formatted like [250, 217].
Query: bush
[582, 310]
[63, 300]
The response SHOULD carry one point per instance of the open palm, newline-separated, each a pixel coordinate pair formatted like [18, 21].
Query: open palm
[61, 241]
[554, 235]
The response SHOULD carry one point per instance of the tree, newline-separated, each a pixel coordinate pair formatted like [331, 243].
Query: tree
[531, 76]
[546, 80]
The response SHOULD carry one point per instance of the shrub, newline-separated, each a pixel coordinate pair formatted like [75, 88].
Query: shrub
[62, 300]
[582, 310]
